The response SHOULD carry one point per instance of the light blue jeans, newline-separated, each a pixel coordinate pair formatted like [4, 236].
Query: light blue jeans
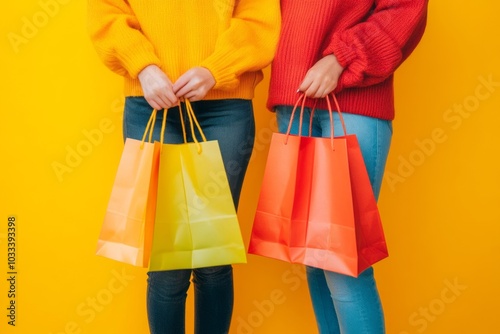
[344, 304]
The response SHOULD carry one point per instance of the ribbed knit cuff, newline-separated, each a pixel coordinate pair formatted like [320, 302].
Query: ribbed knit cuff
[344, 53]
[136, 57]
[224, 77]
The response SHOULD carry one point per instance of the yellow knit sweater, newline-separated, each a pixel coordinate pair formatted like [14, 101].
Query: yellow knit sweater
[234, 39]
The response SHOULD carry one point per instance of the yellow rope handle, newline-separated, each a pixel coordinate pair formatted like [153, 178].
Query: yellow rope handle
[149, 128]
[191, 114]
[192, 117]
[182, 124]
[163, 126]
[151, 131]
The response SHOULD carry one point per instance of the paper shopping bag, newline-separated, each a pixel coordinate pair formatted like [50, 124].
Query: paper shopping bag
[370, 236]
[316, 205]
[126, 233]
[196, 222]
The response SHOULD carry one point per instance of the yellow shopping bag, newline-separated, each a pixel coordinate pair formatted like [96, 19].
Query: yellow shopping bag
[196, 223]
[126, 233]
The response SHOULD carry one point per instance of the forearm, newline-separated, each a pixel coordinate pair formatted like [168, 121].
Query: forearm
[372, 50]
[117, 37]
[248, 44]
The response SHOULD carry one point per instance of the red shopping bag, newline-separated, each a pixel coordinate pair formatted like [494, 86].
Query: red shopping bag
[127, 231]
[316, 204]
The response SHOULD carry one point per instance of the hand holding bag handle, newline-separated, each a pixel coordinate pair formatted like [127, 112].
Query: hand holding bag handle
[303, 98]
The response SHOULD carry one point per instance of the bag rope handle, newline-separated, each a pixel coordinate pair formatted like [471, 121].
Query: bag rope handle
[184, 136]
[302, 98]
[151, 125]
[149, 128]
[311, 117]
[163, 127]
[192, 122]
[192, 118]
[341, 117]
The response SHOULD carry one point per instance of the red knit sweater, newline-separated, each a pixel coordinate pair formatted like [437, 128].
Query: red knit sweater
[370, 39]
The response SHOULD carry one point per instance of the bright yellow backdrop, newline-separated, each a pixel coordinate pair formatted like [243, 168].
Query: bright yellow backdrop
[440, 199]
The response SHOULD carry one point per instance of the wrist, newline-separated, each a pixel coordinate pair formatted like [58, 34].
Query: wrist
[147, 70]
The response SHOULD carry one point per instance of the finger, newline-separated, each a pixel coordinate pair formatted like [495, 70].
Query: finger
[181, 82]
[165, 98]
[305, 84]
[182, 87]
[320, 92]
[312, 90]
[164, 102]
[193, 96]
[183, 92]
[202, 92]
[153, 103]
[170, 97]
[326, 89]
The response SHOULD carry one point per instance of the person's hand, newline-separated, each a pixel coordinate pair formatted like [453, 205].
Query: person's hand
[322, 78]
[157, 88]
[194, 84]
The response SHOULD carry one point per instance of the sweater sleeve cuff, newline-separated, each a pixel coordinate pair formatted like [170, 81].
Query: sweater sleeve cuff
[345, 54]
[136, 57]
[224, 76]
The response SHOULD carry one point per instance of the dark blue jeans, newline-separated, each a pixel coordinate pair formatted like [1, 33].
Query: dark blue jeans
[231, 122]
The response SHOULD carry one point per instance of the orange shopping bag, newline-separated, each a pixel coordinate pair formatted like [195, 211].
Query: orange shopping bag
[127, 231]
[316, 205]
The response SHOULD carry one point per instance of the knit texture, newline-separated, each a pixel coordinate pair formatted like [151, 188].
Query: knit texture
[369, 38]
[233, 39]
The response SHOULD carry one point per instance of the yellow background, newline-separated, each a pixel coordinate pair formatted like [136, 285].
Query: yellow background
[439, 202]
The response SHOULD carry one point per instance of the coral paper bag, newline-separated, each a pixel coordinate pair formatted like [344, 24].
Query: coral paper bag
[126, 233]
[196, 222]
[317, 207]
